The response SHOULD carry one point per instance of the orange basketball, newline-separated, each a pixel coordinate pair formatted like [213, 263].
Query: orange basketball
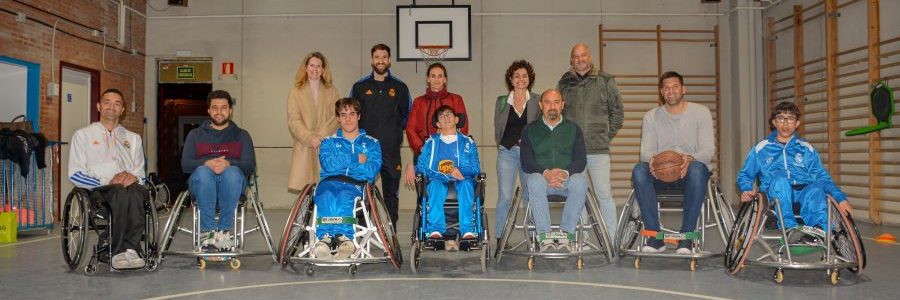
[668, 166]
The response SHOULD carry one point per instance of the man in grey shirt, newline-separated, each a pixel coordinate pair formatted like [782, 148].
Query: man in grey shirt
[683, 127]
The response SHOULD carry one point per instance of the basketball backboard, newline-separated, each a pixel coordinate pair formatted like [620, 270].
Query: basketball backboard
[434, 25]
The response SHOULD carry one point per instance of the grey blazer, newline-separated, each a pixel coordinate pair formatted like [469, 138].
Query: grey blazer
[501, 112]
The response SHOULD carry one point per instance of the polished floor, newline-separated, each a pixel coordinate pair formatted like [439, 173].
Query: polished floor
[33, 268]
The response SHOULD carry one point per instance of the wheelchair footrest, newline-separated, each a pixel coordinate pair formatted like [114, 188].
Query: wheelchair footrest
[671, 237]
[336, 220]
[436, 244]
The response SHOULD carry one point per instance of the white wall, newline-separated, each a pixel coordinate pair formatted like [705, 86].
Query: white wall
[267, 51]
[13, 83]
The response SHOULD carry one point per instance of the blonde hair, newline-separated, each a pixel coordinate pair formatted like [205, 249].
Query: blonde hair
[301, 78]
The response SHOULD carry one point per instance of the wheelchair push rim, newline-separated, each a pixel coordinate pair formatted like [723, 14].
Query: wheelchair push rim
[74, 230]
[295, 226]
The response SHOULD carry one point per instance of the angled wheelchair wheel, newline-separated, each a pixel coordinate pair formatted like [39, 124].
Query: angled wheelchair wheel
[508, 224]
[598, 229]
[171, 227]
[744, 233]
[294, 229]
[415, 251]
[262, 223]
[151, 235]
[629, 226]
[75, 227]
[385, 226]
[845, 238]
[724, 215]
[485, 242]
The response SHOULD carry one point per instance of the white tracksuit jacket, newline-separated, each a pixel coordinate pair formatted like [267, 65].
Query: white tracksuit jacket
[96, 155]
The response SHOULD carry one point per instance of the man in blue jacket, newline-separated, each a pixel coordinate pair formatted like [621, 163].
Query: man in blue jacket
[449, 156]
[790, 171]
[219, 155]
[348, 154]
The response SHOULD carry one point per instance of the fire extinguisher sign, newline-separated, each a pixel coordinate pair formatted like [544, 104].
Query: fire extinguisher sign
[228, 68]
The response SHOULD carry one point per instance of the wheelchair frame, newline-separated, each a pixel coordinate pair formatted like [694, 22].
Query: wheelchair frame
[249, 198]
[81, 215]
[714, 207]
[299, 238]
[590, 224]
[419, 240]
[749, 228]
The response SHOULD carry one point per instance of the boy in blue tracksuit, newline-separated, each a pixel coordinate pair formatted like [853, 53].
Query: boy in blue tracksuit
[349, 153]
[449, 156]
[790, 170]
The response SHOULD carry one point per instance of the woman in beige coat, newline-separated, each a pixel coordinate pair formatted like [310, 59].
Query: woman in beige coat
[310, 112]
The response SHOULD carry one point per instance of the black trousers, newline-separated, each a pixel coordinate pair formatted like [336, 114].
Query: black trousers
[127, 215]
[390, 181]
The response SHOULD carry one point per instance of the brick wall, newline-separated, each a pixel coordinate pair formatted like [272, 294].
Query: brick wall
[31, 41]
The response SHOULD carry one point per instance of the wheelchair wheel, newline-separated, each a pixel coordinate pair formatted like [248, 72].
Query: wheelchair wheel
[745, 229]
[485, 242]
[508, 224]
[598, 226]
[629, 225]
[151, 236]
[415, 251]
[294, 229]
[385, 226]
[262, 223]
[724, 215]
[172, 222]
[75, 228]
[846, 239]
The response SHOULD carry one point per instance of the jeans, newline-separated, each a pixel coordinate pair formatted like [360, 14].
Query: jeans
[574, 189]
[223, 189]
[693, 184]
[598, 167]
[335, 198]
[508, 167]
[812, 200]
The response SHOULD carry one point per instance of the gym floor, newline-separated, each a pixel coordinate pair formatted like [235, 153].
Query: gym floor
[33, 268]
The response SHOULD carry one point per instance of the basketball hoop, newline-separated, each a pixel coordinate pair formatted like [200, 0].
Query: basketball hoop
[433, 53]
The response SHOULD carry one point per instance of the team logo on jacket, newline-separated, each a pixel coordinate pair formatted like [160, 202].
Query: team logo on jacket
[95, 142]
[445, 166]
[392, 92]
[126, 144]
[369, 92]
[798, 159]
[769, 160]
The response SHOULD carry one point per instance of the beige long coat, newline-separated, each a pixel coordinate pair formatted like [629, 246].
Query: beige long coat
[308, 118]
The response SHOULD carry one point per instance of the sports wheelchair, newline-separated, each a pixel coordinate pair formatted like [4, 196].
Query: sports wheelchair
[83, 212]
[374, 237]
[232, 255]
[420, 240]
[591, 235]
[842, 247]
[715, 212]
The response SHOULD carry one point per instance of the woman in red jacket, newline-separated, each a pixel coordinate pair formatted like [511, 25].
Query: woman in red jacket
[419, 126]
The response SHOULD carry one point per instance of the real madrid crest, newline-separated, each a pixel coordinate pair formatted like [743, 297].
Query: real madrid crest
[391, 92]
[126, 144]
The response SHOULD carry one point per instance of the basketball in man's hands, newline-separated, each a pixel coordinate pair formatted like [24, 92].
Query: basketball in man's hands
[667, 166]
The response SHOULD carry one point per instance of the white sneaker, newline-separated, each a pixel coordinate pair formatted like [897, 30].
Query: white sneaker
[683, 251]
[224, 240]
[322, 248]
[121, 261]
[345, 248]
[650, 249]
[134, 260]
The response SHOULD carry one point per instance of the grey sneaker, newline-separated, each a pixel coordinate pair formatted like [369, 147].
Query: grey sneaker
[134, 260]
[224, 240]
[121, 261]
[451, 245]
[345, 248]
[547, 245]
[322, 248]
[564, 245]
[207, 238]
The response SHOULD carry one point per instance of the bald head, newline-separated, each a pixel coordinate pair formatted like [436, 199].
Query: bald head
[581, 59]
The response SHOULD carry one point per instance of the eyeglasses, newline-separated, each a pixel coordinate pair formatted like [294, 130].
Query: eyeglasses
[783, 119]
[446, 116]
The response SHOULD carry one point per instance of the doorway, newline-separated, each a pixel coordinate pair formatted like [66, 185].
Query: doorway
[78, 87]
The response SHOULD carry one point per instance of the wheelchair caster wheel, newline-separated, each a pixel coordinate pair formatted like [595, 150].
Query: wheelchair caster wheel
[779, 276]
[637, 263]
[835, 276]
[235, 263]
[90, 269]
[310, 270]
[201, 263]
[352, 270]
[152, 265]
[580, 263]
[693, 265]
[531, 263]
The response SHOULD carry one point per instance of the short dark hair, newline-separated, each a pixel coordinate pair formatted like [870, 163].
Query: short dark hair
[114, 91]
[219, 94]
[515, 66]
[346, 102]
[784, 107]
[381, 47]
[668, 75]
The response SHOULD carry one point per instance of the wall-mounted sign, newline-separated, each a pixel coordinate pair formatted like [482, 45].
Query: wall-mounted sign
[185, 71]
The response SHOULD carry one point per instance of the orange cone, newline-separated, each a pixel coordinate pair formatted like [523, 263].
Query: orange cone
[886, 238]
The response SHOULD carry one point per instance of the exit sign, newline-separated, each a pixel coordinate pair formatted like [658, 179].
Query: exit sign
[185, 72]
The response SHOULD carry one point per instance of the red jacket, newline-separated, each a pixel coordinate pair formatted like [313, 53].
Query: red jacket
[419, 127]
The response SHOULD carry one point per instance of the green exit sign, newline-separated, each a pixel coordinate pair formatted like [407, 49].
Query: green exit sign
[185, 72]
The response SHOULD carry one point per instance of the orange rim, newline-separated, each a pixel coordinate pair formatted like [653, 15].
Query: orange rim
[387, 243]
[287, 228]
[760, 206]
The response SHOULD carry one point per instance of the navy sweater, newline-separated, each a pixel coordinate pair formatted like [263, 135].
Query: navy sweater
[205, 143]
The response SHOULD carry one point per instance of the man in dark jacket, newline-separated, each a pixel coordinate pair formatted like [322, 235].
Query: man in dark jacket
[219, 155]
[553, 158]
[593, 102]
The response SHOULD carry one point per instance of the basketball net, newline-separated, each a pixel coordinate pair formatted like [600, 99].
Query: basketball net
[432, 53]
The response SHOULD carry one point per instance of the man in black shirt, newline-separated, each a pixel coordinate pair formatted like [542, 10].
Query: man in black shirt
[385, 105]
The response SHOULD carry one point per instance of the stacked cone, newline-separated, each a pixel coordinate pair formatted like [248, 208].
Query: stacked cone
[886, 238]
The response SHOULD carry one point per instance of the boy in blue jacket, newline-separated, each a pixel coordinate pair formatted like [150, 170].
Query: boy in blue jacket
[349, 153]
[449, 156]
[790, 170]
